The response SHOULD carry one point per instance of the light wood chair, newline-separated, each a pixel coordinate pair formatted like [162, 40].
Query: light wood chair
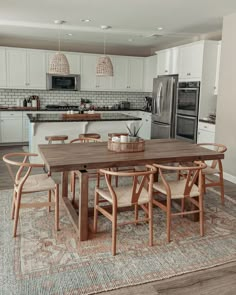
[53, 138]
[183, 189]
[214, 168]
[75, 174]
[135, 195]
[24, 183]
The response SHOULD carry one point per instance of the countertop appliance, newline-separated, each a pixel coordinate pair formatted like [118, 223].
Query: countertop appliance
[164, 106]
[187, 111]
[63, 82]
[124, 105]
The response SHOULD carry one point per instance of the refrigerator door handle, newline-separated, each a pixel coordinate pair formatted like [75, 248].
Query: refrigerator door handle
[159, 97]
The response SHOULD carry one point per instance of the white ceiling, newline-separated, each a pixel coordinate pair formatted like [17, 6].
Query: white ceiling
[30, 23]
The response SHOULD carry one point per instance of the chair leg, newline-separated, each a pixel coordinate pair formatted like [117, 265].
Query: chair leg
[13, 204]
[204, 184]
[57, 207]
[201, 215]
[222, 191]
[95, 218]
[168, 221]
[114, 229]
[136, 213]
[73, 177]
[16, 217]
[49, 199]
[150, 213]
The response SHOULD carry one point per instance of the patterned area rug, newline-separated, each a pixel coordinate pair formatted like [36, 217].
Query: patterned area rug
[42, 261]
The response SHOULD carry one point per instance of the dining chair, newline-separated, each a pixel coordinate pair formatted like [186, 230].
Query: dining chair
[180, 189]
[135, 194]
[214, 167]
[75, 174]
[25, 183]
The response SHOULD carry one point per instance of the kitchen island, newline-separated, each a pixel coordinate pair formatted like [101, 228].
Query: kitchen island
[42, 125]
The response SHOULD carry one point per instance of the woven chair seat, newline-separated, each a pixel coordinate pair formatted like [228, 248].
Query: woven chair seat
[123, 194]
[177, 189]
[38, 183]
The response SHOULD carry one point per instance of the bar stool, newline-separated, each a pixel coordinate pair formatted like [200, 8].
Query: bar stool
[90, 135]
[51, 138]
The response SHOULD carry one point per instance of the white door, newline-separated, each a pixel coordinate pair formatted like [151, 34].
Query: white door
[163, 62]
[3, 68]
[36, 74]
[11, 127]
[135, 74]
[150, 72]
[17, 68]
[88, 72]
[120, 68]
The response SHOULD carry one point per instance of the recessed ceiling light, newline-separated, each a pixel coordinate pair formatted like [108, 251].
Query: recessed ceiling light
[130, 40]
[69, 34]
[85, 20]
[160, 28]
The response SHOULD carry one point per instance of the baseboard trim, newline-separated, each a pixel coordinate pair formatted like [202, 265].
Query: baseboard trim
[229, 177]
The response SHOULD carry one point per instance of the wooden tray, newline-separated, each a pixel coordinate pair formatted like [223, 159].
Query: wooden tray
[126, 147]
[81, 116]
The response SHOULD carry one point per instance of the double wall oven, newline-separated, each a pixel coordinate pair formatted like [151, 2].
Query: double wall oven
[187, 111]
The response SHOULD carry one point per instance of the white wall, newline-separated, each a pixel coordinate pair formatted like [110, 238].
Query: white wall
[226, 102]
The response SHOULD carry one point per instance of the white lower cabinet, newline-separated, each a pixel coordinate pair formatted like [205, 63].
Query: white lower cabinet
[145, 130]
[11, 127]
[206, 133]
[25, 127]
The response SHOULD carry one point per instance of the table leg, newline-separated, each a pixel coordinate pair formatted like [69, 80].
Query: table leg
[64, 183]
[83, 205]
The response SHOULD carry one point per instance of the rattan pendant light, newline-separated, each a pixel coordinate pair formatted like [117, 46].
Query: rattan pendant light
[104, 65]
[58, 62]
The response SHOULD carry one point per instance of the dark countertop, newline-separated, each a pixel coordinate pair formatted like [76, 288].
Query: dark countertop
[25, 109]
[45, 118]
[207, 121]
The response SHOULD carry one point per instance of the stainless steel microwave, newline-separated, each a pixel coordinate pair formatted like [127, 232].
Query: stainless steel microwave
[63, 82]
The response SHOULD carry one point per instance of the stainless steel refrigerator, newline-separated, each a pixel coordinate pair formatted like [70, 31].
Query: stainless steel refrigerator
[164, 106]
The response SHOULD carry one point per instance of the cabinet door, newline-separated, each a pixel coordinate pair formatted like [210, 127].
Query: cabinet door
[36, 74]
[3, 68]
[135, 82]
[120, 68]
[150, 72]
[11, 127]
[17, 69]
[191, 62]
[163, 62]
[88, 72]
[205, 136]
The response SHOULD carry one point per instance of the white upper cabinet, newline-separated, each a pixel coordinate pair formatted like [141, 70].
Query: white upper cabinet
[36, 69]
[167, 61]
[128, 73]
[89, 80]
[150, 72]
[217, 69]
[26, 69]
[73, 60]
[3, 68]
[191, 61]
[17, 68]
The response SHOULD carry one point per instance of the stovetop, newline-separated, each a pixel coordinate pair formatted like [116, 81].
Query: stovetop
[54, 107]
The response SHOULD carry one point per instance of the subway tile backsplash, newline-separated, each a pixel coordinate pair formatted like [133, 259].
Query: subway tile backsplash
[8, 97]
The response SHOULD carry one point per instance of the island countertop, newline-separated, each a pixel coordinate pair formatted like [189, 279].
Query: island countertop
[45, 118]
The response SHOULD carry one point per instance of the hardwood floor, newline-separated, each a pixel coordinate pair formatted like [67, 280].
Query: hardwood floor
[219, 280]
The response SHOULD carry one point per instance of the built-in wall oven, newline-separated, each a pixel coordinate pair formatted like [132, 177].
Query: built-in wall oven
[187, 111]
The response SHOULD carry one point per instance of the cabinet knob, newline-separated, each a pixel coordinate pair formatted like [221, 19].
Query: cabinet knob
[188, 74]
[166, 71]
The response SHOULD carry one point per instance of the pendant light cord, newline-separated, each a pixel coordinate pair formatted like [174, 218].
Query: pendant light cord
[104, 44]
[59, 38]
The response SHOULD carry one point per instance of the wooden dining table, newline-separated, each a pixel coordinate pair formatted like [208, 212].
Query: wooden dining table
[82, 157]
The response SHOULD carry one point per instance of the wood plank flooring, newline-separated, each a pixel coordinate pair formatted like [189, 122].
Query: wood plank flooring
[219, 280]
